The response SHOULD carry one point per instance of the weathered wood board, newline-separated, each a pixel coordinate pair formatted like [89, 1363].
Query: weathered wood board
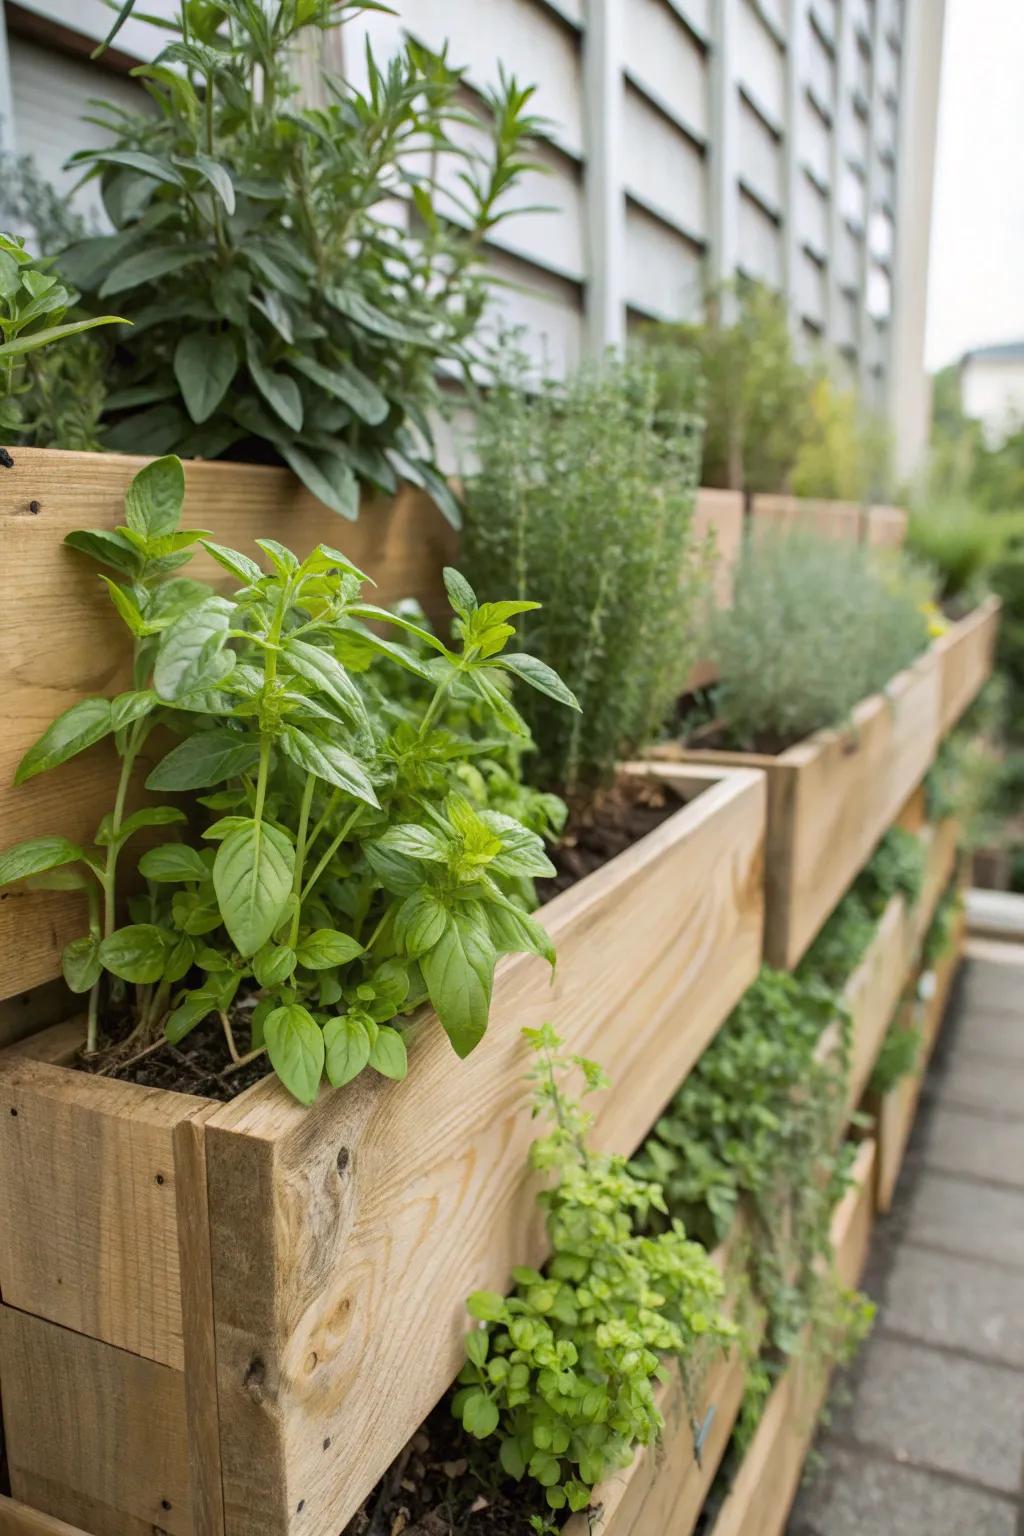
[95, 1435]
[885, 527]
[830, 799]
[966, 657]
[18, 1520]
[762, 1494]
[831, 519]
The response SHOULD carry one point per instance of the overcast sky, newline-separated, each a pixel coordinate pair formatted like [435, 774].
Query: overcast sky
[976, 282]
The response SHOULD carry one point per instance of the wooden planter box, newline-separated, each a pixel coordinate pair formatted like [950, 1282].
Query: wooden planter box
[830, 799]
[966, 657]
[896, 1110]
[760, 1499]
[229, 1318]
[885, 527]
[830, 519]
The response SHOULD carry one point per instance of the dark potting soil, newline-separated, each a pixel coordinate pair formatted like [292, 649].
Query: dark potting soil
[201, 1064]
[442, 1486]
[596, 832]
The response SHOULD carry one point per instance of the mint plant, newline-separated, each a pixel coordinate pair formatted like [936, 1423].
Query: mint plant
[563, 1370]
[342, 876]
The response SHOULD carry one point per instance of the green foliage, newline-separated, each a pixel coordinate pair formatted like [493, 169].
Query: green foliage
[277, 303]
[563, 1370]
[846, 453]
[773, 423]
[756, 1123]
[959, 542]
[899, 1056]
[896, 868]
[814, 627]
[584, 497]
[754, 390]
[344, 874]
[33, 304]
[939, 938]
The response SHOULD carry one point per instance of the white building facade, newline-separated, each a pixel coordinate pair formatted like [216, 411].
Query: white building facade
[690, 141]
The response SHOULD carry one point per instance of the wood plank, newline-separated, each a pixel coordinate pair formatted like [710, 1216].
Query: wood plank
[347, 1237]
[95, 1436]
[87, 1204]
[762, 1494]
[198, 1325]
[886, 527]
[830, 519]
[60, 638]
[896, 1111]
[966, 658]
[18, 1520]
[832, 797]
[718, 517]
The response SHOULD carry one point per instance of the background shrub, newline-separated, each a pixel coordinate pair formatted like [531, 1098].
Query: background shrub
[958, 541]
[584, 497]
[814, 627]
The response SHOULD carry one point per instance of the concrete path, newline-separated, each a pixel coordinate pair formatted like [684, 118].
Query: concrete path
[925, 1434]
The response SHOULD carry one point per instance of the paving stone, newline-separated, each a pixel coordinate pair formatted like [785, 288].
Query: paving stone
[964, 1303]
[988, 984]
[976, 1083]
[997, 1034]
[962, 1142]
[938, 1411]
[855, 1495]
[974, 1219]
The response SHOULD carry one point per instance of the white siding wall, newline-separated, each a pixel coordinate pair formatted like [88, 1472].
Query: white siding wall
[759, 136]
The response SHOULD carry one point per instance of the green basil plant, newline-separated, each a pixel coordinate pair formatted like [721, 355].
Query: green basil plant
[349, 864]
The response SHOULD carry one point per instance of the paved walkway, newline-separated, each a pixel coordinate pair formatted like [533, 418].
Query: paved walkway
[926, 1431]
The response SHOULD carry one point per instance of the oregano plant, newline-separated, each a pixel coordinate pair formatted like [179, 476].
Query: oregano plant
[342, 874]
[563, 1371]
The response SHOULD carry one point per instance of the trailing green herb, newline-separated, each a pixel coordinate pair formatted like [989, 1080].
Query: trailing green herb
[899, 1056]
[344, 874]
[278, 305]
[585, 496]
[756, 1124]
[896, 868]
[563, 1370]
[815, 626]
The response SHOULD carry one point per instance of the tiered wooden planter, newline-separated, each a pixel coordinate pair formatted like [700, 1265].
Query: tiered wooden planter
[17, 1519]
[229, 1318]
[762, 1494]
[966, 655]
[830, 799]
[831, 519]
[896, 1110]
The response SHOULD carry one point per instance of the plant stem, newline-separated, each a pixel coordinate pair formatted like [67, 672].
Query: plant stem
[331, 850]
[432, 708]
[300, 856]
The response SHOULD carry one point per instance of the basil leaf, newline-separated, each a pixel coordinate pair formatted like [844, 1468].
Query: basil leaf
[347, 1049]
[252, 876]
[81, 964]
[35, 856]
[173, 863]
[459, 973]
[329, 762]
[295, 1045]
[388, 1054]
[203, 760]
[540, 676]
[327, 947]
[153, 501]
[136, 953]
[79, 727]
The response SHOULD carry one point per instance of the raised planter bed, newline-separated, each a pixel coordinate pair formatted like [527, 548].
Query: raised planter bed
[718, 517]
[966, 656]
[762, 1494]
[885, 527]
[229, 1318]
[830, 799]
[896, 1110]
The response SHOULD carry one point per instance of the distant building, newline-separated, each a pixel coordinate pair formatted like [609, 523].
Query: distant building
[992, 388]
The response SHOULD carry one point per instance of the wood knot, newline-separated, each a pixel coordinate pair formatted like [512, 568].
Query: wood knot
[344, 1158]
[34, 508]
[255, 1378]
[5, 459]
